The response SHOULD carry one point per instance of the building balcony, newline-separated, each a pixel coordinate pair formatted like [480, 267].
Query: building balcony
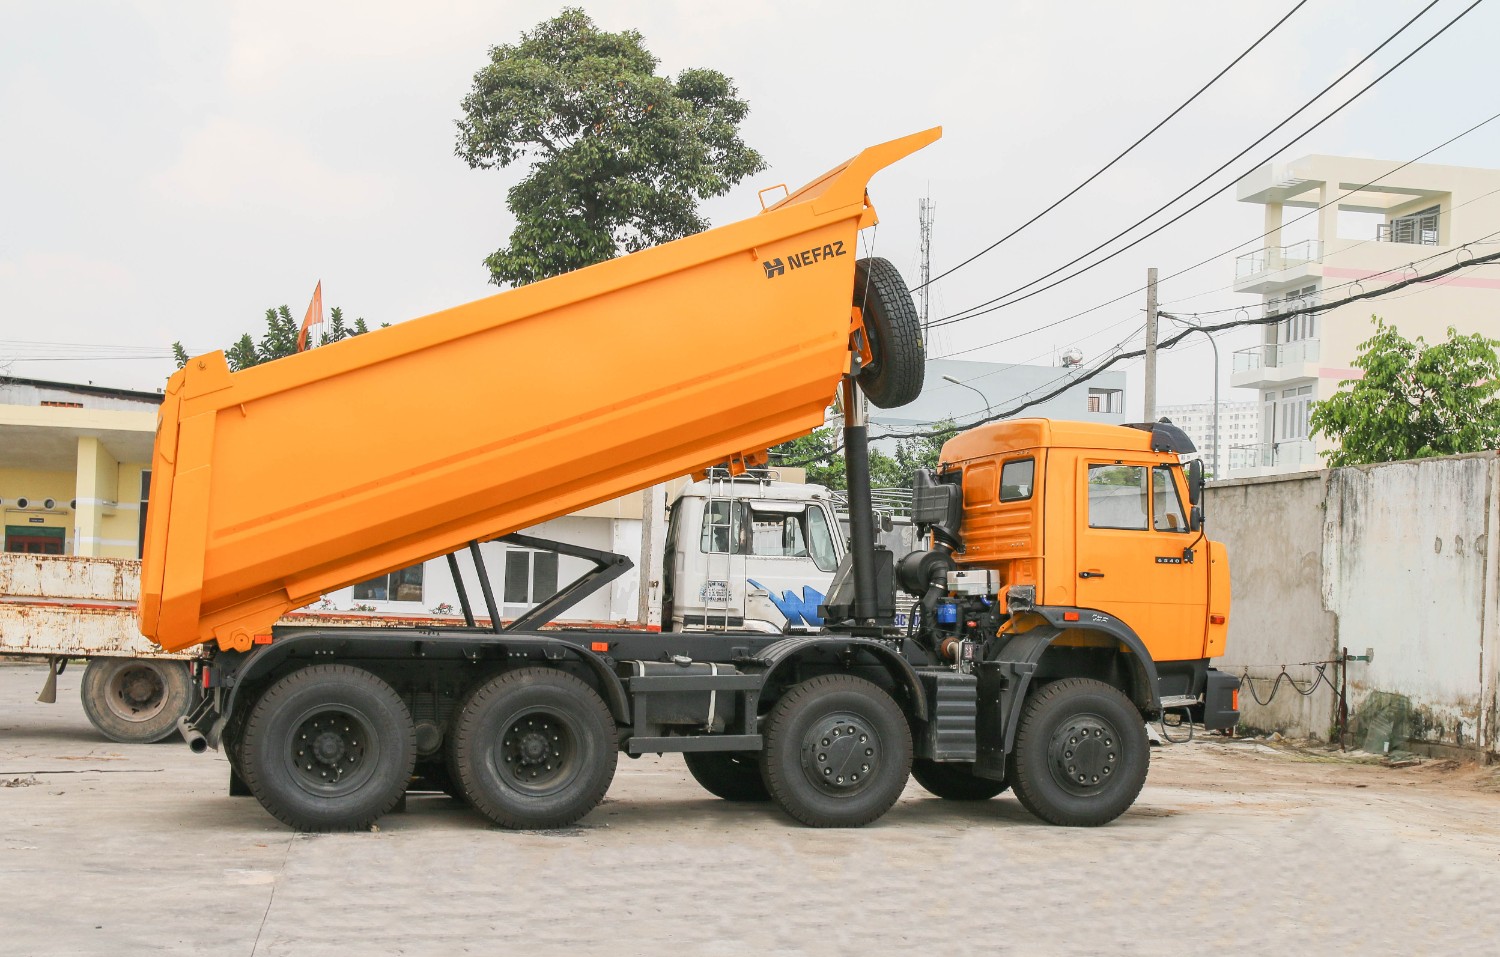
[1268, 458]
[1273, 364]
[1274, 267]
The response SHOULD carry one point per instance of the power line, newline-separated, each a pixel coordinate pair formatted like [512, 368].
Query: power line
[979, 310]
[1172, 341]
[1105, 168]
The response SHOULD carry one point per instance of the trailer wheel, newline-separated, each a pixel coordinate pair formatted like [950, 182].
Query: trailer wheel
[535, 748]
[838, 752]
[955, 781]
[1081, 753]
[328, 748]
[731, 775]
[894, 374]
[136, 700]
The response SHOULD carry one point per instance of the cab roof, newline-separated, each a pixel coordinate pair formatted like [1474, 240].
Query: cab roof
[1017, 434]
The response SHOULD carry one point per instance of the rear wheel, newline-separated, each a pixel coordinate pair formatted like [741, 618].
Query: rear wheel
[955, 781]
[328, 748]
[136, 700]
[838, 752]
[1081, 753]
[731, 775]
[893, 376]
[534, 748]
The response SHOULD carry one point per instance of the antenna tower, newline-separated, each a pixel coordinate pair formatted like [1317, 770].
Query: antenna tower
[925, 209]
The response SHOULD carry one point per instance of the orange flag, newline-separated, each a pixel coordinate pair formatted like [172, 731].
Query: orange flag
[314, 316]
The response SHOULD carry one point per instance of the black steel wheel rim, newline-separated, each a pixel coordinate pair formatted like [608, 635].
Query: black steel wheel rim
[1084, 754]
[136, 692]
[841, 753]
[538, 751]
[332, 751]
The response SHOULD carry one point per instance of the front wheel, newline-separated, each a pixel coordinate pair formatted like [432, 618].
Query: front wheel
[136, 700]
[837, 752]
[328, 748]
[1081, 753]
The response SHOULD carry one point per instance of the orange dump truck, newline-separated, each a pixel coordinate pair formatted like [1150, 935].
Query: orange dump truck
[268, 491]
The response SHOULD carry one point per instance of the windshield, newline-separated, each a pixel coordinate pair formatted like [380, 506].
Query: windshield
[772, 531]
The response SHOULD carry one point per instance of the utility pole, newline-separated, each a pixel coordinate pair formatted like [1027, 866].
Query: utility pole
[925, 210]
[1151, 344]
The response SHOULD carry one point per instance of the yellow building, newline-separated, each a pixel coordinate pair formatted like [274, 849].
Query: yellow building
[74, 467]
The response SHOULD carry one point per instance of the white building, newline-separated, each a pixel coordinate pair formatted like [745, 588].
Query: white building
[1413, 221]
[1239, 427]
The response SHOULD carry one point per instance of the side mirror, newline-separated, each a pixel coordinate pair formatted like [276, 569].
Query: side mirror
[1195, 518]
[1195, 482]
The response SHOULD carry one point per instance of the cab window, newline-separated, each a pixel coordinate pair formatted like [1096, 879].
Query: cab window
[1016, 479]
[1118, 496]
[719, 532]
[1166, 505]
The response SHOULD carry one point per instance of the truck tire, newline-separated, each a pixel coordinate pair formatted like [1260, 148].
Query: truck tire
[894, 374]
[535, 748]
[328, 748]
[731, 775]
[954, 781]
[837, 753]
[1081, 753]
[137, 700]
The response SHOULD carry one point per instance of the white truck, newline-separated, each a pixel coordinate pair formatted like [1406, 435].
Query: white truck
[745, 553]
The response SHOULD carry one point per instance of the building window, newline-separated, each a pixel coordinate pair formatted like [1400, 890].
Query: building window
[1419, 229]
[62, 405]
[402, 585]
[140, 542]
[1117, 496]
[34, 539]
[1296, 408]
[1107, 400]
[530, 579]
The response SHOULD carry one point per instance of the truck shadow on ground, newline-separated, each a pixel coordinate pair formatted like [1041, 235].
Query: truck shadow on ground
[425, 810]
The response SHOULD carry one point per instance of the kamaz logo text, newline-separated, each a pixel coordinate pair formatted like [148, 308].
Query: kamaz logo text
[775, 267]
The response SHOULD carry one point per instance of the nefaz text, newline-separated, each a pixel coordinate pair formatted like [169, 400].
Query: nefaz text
[775, 267]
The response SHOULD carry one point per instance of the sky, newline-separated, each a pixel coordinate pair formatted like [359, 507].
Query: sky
[170, 170]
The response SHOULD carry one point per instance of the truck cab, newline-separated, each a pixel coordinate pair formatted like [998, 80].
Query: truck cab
[749, 553]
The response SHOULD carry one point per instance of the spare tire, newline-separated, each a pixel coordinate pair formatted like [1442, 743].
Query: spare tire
[893, 377]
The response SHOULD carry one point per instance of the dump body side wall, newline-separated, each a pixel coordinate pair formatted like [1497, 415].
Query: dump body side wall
[289, 479]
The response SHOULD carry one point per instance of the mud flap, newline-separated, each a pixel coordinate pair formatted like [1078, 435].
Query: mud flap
[1000, 683]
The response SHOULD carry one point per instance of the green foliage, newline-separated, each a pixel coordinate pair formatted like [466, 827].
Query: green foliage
[280, 339]
[1414, 401]
[619, 156]
[885, 471]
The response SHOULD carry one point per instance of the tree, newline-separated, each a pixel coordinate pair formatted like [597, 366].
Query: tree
[280, 339]
[1414, 400]
[620, 156]
[824, 460]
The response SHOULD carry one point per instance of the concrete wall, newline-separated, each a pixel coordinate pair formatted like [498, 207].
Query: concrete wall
[1400, 558]
[1273, 529]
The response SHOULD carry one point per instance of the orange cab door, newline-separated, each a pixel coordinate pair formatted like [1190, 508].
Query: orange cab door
[1131, 537]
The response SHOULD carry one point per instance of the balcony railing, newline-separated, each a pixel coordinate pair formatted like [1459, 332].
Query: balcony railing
[1276, 258]
[1289, 453]
[1276, 355]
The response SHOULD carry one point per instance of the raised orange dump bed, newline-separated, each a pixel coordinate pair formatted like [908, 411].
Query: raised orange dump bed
[280, 483]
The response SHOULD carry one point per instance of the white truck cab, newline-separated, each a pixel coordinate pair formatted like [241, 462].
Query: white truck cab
[749, 553]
